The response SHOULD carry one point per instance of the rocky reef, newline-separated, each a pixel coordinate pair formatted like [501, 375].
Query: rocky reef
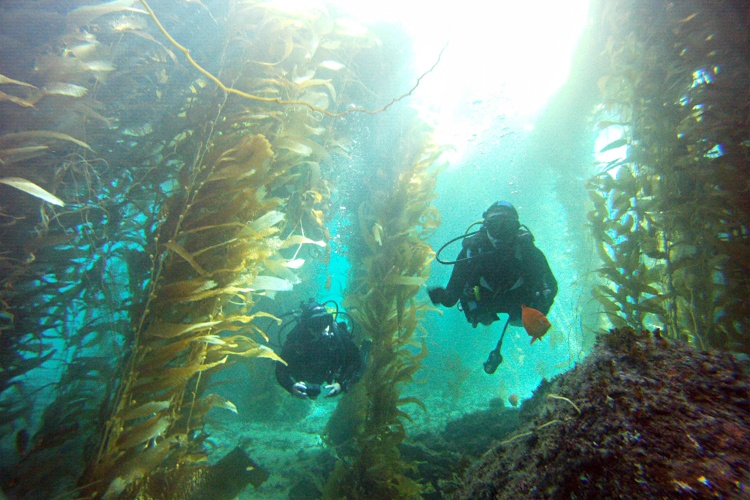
[642, 417]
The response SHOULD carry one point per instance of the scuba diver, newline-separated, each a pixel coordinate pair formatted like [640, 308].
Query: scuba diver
[320, 353]
[500, 270]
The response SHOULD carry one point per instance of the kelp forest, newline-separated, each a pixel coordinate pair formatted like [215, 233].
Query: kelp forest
[177, 208]
[170, 169]
[670, 219]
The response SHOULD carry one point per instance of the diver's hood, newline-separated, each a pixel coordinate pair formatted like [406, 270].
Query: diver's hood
[501, 208]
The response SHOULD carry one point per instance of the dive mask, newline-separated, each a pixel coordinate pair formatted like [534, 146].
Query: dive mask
[501, 220]
[318, 319]
[501, 226]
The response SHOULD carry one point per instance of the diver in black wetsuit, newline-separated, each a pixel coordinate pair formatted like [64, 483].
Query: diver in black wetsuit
[498, 270]
[321, 355]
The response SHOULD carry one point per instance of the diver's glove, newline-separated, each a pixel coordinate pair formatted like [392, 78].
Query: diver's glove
[333, 389]
[543, 300]
[303, 390]
[437, 295]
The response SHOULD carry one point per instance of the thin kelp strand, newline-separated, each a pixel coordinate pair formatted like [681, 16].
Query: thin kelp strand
[230, 90]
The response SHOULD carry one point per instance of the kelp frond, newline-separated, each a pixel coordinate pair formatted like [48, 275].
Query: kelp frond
[29, 187]
[192, 304]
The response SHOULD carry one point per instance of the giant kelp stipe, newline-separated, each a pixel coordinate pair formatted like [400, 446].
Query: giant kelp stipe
[390, 264]
[174, 175]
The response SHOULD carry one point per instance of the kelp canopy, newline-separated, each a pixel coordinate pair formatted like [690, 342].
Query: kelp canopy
[147, 213]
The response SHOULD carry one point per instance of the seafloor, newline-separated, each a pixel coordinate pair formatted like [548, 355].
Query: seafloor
[641, 417]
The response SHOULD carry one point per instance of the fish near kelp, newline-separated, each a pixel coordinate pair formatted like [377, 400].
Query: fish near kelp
[534, 322]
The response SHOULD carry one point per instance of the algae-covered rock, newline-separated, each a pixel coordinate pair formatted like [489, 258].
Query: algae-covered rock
[639, 418]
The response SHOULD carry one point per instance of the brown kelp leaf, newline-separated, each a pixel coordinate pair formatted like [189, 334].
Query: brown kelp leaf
[63, 88]
[403, 414]
[156, 358]
[266, 221]
[294, 146]
[614, 145]
[170, 330]
[610, 306]
[88, 111]
[255, 350]
[171, 377]
[271, 283]
[212, 401]
[128, 23]
[412, 400]
[243, 160]
[145, 410]
[298, 239]
[653, 305]
[140, 465]
[13, 155]
[288, 47]
[282, 268]
[179, 250]
[220, 402]
[185, 288]
[16, 100]
[248, 319]
[228, 225]
[144, 431]
[5, 80]
[229, 290]
[32, 189]
[251, 326]
[41, 134]
[84, 15]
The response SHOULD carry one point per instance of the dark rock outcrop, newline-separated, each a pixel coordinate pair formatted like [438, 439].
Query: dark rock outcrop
[639, 418]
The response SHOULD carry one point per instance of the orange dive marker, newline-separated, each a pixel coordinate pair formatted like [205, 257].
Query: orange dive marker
[535, 323]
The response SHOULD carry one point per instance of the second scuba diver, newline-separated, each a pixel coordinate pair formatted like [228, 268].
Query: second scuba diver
[320, 355]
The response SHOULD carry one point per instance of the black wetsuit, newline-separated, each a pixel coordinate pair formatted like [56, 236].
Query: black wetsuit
[315, 359]
[491, 279]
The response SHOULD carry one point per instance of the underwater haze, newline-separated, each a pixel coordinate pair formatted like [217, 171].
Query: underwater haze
[177, 177]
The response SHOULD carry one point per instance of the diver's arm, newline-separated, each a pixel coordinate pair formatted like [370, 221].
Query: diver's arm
[284, 377]
[290, 355]
[300, 389]
[458, 279]
[543, 281]
[350, 370]
[547, 278]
